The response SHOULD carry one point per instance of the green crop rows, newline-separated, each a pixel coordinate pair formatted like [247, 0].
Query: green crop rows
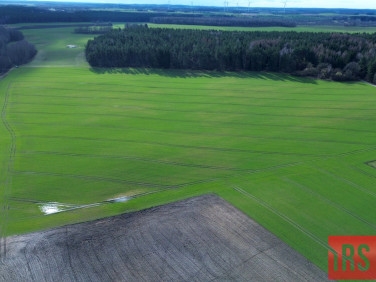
[291, 153]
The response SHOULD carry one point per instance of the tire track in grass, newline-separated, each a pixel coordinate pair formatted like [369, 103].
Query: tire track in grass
[333, 204]
[54, 124]
[201, 103]
[215, 112]
[287, 219]
[175, 145]
[194, 121]
[187, 95]
[315, 157]
[190, 89]
[250, 171]
[113, 180]
[73, 207]
[372, 148]
[148, 160]
[8, 180]
[344, 180]
[191, 83]
[166, 87]
[202, 148]
[206, 126]
[194, 74]
[363, 171]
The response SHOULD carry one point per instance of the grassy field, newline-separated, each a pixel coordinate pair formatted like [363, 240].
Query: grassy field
[289, 152]
[51, 44]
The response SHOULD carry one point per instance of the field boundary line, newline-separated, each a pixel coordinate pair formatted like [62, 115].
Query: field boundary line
[8, 180]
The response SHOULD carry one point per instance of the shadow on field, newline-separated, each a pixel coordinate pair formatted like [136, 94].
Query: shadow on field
[203, 73]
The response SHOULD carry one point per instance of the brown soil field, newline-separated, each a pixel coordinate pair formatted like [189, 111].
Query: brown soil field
[199, 239]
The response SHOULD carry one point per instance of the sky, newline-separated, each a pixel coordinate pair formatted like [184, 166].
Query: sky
[357, 4]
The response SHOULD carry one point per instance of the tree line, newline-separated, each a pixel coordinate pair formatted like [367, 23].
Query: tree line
[22, 14]
[223, 21]
[337, 56]
[14, 49]
[94, 29]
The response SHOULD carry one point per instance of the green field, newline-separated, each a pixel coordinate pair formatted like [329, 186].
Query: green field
[291, 153]
[298, 28]
[51, 45]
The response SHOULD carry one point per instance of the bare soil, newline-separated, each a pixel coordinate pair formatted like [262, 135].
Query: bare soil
[199, 239]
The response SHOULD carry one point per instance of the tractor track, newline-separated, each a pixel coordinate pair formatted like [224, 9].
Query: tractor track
[176, 145]
[189, 102]
[181, 94]
[333, 204]
[8, 180]
[196, 133]
[190, 121]
[213, 112]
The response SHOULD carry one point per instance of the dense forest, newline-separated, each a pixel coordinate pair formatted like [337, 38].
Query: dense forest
[335, 56]
[20, 14]
[223, 21]
[53, 12]
[14, 50]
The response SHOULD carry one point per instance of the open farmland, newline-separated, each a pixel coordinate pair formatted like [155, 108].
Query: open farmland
[291, 153]
[201, 234]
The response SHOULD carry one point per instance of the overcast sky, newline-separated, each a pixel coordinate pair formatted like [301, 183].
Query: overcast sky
[360, 4]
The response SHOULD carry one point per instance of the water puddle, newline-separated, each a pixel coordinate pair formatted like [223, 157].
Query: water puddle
[55, 207]
[119, 200]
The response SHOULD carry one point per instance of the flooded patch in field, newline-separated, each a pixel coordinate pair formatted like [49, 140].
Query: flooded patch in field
[119, 199]
[54, 207]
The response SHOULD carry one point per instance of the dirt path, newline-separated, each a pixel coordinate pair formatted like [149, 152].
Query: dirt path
[198, 239]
